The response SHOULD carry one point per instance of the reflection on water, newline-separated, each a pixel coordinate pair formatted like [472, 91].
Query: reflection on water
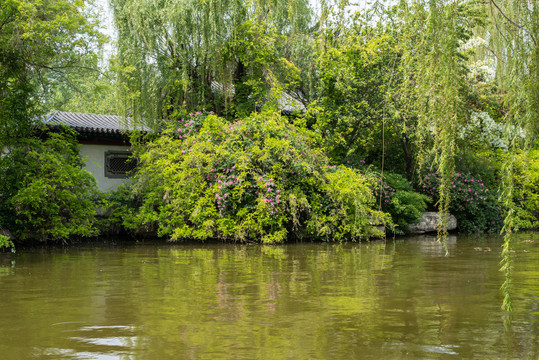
[400, 299]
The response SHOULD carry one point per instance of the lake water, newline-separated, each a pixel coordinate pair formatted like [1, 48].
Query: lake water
[402, 299]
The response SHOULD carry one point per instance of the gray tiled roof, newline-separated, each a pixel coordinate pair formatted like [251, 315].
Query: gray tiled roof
[91, 123]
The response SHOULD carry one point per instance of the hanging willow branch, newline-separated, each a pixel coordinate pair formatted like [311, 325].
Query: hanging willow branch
[433, 77]
[513, 32]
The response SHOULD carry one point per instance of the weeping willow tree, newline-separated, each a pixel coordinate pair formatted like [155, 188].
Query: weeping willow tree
[191, 54]
[435, 72]
[513, 33]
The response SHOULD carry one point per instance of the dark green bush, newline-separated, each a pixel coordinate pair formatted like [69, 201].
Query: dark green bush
[45, 193]
[397, 197]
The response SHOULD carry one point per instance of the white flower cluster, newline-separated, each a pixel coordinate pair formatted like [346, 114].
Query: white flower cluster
[483, 128]
[473, 43]
[482, 68]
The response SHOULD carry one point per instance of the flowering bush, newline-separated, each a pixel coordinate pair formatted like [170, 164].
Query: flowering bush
[256, 179]
[484, 130]
[472, 203]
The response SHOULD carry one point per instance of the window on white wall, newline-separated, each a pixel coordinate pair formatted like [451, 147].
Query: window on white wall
[118, 164]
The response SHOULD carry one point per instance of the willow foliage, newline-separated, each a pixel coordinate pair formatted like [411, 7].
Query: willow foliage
[191, 54]
[433, 79]
[513, 34]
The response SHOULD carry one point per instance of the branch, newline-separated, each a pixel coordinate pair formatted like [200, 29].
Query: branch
[495, 54]
[58, 69]
[514, 23]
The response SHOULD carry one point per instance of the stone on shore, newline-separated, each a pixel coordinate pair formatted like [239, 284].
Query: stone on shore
[429, 223]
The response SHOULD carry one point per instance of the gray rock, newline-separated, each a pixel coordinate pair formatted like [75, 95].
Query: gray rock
[7, 233]
[429, 223]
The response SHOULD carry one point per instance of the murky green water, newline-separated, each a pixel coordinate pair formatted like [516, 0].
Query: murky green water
[398, 300]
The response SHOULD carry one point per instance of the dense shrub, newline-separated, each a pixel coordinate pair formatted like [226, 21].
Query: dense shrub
[472, 202]
[526, 194]
[257, 179]
[118, 209]
[45, 193]
[397, 197]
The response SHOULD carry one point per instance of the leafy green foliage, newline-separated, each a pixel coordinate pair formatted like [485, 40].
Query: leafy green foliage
[46, 194]
[5, 242]
[527, 189]
[258, 179]
[354, 71]
[88, 91]
[263, 74]
[397, 197]
[41, 42]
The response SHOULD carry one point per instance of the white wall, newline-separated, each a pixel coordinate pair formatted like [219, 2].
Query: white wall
[94, 159]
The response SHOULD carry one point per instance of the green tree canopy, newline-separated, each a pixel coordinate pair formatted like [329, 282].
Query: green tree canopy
[41, 43]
